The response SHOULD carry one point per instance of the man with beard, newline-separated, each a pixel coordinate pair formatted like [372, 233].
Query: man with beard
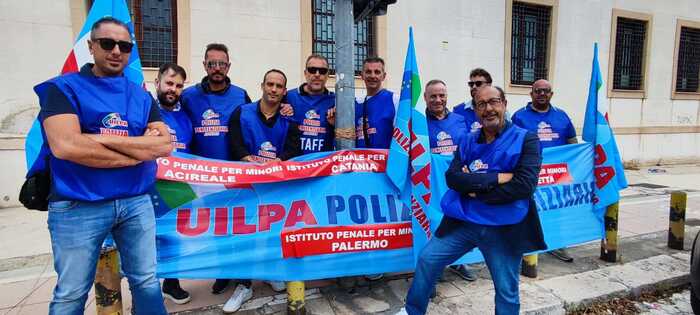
[490, 206]
[552, 126]
[209, 105]
[374, 114]
[314, 107]
[169, 84]
[478, 78]
[104, 134]
[260, 134]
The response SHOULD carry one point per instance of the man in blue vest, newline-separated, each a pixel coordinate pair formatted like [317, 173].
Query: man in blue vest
[314, 107]
[104, 133]
[489, 206]
[374, 114]
[169, 85]
[478, 78]
[260, 134]
[552, 126]
[209, 104]
[445, 130]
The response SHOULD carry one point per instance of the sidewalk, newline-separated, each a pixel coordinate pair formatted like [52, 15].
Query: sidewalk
[27, 277]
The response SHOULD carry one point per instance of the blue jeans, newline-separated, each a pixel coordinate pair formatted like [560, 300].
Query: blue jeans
[77, 231]
[502, 261]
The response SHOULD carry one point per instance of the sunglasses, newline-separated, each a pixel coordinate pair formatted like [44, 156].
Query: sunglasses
[108, 44]
[217, 63]
[476, 83]
[541, 91]
[317, 70]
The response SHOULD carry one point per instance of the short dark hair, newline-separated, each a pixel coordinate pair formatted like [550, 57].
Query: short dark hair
[217, 47]
[373, 59]
[433, 82]
[316, 56]
[276, 71]
[482, 73]
[107, 20]
[172, 66]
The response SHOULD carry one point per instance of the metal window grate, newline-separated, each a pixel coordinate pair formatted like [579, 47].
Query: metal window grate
[630, 39]
[688, 72]
[155, 25]
[324, 36]
[529, 43]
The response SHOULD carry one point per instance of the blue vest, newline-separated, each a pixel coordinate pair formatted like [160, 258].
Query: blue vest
[104, 105]
[180, 128]
[210, 113]
[446, 134]
[310, 114]
[499, 156]
[380, 113]
[470, 120]
[263, 143]
[553, 128]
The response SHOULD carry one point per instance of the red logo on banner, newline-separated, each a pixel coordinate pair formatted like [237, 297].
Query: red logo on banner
[554, 174]
[343, 239]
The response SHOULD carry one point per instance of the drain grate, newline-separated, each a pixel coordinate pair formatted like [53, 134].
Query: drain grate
[648, 185]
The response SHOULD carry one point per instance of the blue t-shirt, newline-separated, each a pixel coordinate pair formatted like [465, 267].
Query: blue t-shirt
[553, 128]
[445, 134]
[179, 126]
[467, 111]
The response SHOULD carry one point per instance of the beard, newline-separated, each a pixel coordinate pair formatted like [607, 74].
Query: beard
[164, 101]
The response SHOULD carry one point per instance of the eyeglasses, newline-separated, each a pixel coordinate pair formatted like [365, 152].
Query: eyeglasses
[108, 44]
[213, 64]
[476, 83]
[493, 102]
[542, 91]
[317, 70]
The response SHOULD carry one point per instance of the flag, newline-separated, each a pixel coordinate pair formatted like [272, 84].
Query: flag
[408, 165]
[77, 57]
[608, 170]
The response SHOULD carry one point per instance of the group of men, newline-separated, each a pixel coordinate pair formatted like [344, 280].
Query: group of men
[105, 132]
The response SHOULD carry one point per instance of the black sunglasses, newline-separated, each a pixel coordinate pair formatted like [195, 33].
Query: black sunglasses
[315, 70]
[108, 44]
[476, 83]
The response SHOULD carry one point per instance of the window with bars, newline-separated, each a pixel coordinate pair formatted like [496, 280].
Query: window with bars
[324, 37]
[630, 38]
[688, 72]
[155, 27]
[529, 42]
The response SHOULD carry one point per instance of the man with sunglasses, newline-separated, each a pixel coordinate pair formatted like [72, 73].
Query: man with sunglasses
[552, 126]
[104, 133]
[490, 206]
[374, 114]
[210, 103]
[478, 78]
[314, 107]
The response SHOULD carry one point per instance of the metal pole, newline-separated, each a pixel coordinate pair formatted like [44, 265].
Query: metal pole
[608, 246]
[295, 298]
[345, 75]
[529, 268]
[676, 220]
[108, 289]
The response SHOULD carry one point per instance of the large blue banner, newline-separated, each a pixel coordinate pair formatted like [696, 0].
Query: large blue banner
[327, 214]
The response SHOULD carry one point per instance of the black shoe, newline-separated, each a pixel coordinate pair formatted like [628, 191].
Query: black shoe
[463, 272]
[173, 291]
[562, 255]
[220, 286]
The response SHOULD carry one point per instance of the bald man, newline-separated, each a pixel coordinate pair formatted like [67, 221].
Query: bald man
[552, 126]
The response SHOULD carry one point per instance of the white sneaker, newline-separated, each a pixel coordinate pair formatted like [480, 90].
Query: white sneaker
[239, 296]
[277, 286]
[402, 311]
